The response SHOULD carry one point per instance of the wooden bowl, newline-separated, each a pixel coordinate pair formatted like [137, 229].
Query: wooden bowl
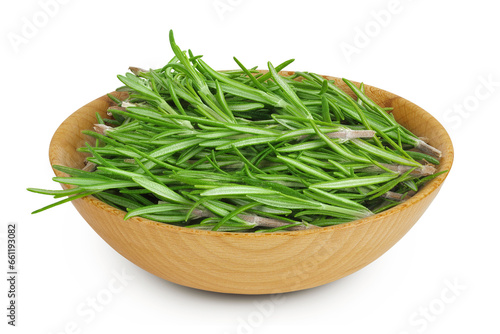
[247, 263]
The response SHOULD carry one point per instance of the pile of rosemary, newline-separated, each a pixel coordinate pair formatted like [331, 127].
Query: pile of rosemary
[246, 151]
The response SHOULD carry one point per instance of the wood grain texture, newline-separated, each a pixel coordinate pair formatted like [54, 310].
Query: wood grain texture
[247, 263]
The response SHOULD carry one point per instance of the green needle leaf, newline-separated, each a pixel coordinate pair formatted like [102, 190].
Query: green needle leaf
[237, 190]
[360, 181]
[161, 190]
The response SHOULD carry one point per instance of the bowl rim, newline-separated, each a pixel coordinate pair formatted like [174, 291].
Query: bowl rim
[446, 163]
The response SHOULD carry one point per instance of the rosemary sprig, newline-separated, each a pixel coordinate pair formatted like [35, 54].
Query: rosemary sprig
[243, 151]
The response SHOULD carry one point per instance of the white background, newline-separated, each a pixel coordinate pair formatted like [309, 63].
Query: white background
[439, 55]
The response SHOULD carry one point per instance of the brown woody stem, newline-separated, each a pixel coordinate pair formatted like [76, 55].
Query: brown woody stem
[136, 70]
[421, 171]
[351, 134]
[428, 149]
[347, 134]
[89, 166]
[391, 195]
[102, 128]
[257, 220]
